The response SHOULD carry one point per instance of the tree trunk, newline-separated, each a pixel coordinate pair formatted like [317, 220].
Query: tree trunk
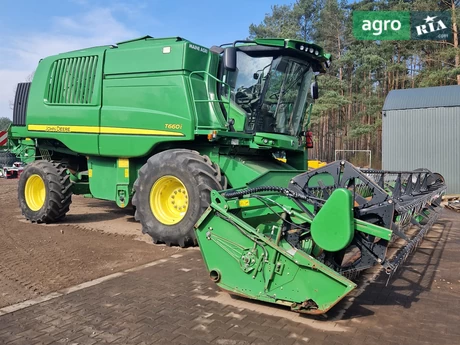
[455, 32]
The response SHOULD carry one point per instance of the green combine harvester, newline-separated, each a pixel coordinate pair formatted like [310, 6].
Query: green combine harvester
[210, 146]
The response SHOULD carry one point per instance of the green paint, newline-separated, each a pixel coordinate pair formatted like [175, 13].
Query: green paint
[333, 227]
[80, 188]
[24, 149]
[102, 172]
[274, 271]
[373, 229]
[242, 242]
[252, 171]
[146, 95]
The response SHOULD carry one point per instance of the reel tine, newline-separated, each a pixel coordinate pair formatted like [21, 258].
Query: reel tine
[414, 243]
[398, 199]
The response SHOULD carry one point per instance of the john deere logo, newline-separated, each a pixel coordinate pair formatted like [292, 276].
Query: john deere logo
[431, 26]
[402, 25]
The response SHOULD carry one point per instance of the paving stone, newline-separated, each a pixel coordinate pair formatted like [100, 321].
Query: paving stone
[160, 305]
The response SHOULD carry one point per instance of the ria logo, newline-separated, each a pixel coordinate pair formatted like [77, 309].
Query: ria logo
[430, 26]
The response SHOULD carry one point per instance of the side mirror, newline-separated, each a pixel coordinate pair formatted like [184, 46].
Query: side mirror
[314, 90]
[230, 58]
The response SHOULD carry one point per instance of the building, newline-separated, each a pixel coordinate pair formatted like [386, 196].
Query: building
[421, 129]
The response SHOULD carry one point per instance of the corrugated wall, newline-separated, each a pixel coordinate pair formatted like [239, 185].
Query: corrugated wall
[423, 138]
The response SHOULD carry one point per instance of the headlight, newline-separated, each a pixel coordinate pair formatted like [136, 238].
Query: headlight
[302, 47]
[311, 50]
[316, 52]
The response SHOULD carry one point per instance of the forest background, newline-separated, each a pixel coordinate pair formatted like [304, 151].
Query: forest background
[347, 116]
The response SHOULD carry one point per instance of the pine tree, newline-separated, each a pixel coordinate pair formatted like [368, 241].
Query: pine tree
[347, 116]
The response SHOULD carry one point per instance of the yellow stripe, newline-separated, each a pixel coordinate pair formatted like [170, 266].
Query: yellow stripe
[99, 130]
[117, 130]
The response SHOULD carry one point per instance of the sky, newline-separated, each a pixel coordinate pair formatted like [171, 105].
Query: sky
[32, 29]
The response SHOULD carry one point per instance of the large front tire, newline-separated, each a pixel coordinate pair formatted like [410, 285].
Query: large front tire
[172, 192]
[44, 192]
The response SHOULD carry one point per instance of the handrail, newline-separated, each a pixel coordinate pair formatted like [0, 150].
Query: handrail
[195, 101]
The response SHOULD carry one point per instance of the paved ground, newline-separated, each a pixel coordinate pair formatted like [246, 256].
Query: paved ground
[38, 259]
[173, 302]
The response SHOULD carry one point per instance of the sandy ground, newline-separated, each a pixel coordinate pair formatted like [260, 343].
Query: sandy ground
[95, 239]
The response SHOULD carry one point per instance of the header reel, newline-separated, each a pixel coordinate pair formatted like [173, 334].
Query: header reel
[303, 245]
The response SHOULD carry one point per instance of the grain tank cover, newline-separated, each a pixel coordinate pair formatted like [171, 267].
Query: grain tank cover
[147, 54]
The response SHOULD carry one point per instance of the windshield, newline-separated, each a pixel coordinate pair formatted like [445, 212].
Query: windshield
[271, 92]
[247, 83]
[285, 98]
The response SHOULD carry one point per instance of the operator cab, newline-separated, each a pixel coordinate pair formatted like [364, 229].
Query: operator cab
[271, 86]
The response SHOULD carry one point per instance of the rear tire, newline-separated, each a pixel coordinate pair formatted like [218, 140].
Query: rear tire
[164, 174]
[7, 159]
[44, 192]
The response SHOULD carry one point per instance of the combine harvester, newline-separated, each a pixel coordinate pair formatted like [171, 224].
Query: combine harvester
[217, 139]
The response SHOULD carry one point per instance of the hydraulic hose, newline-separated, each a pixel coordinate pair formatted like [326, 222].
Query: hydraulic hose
[255, 190]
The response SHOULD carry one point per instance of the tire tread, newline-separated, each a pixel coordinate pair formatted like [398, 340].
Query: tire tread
[59, 193]
[207, 175]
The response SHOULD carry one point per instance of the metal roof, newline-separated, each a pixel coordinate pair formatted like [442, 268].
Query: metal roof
[426, 97]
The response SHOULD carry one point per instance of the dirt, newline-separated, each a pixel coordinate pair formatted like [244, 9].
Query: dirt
[95, 239]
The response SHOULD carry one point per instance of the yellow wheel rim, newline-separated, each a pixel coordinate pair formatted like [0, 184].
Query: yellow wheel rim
[35, 192]
[169, 200]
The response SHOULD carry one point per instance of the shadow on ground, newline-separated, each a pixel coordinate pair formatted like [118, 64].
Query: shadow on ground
[415, 277]
[99, 211]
